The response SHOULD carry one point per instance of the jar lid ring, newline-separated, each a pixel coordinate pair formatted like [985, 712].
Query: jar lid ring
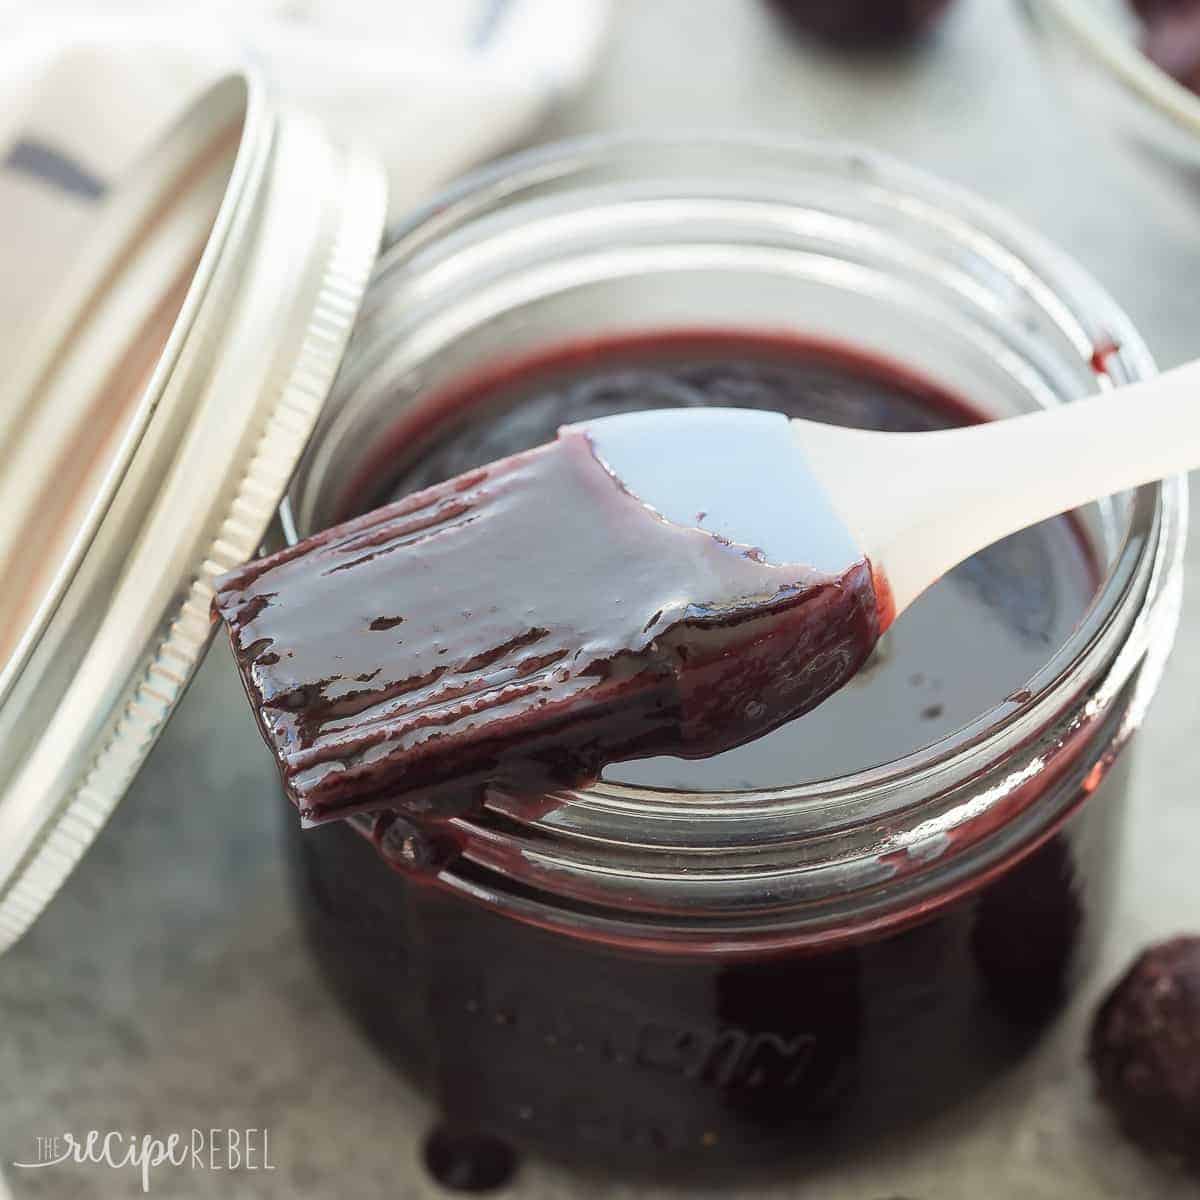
[148, 435]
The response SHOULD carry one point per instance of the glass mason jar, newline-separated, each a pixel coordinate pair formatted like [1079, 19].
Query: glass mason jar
[630, 974]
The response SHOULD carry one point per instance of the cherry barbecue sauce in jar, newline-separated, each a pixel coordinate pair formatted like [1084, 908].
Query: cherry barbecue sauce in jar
[850, 922]
[567, 1043]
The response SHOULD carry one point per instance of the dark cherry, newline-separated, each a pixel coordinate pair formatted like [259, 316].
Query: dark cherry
[1145, 1050]
[1148, 10]
[468, 1162]
[1172, 37]
[871, 23]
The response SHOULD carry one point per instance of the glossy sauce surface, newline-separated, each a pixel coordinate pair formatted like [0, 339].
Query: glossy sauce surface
[526, 622]
[972, 640]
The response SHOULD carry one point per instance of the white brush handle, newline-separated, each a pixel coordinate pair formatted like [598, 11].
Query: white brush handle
[920, 503]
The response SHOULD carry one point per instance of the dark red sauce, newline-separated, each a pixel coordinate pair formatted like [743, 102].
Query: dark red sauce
[1011, 605]
[689, 1060]
[524, 624]
[1145, 1051]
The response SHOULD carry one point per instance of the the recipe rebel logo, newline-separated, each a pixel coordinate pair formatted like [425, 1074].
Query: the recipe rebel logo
[192, 1150]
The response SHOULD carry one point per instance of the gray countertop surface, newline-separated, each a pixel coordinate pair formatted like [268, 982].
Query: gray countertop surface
[167, 988]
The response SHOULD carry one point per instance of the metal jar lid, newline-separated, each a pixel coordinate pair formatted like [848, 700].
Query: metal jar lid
[145, 442]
